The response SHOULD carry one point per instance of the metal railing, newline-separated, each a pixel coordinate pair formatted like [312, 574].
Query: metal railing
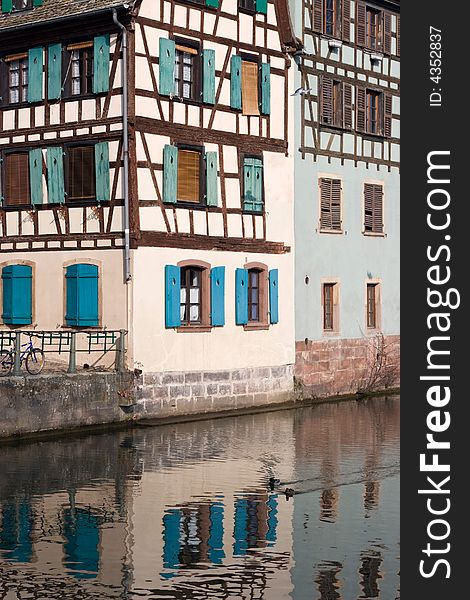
[91, 342]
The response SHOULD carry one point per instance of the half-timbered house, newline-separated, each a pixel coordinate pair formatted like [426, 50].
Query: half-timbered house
[147, 185]
[347, 117]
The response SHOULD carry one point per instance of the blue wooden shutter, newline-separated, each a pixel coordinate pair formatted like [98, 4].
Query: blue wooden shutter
[166, 67]
[82, 295]
[172, 296]
[218, 296]
[55, 175]
[170, 173]
[101, 64]
[37, 2]
[273, 296]
[35, 70]
[248, 184]
[17, 294]
[54, 71]
[7, 6]
[236, 82]
[211, 179]
[265, 104]
[208, 76]
[241, 296]
[35, 176]
[212, 3]
[258, 185]
[262, 6]
[102, 171]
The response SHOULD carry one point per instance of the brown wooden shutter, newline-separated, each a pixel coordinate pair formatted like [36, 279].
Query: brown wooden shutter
[3, 83]
[360, 23]
[318, 16]
[325, 203]
[80, 173]
[189, 176]
[398, 35]
[347, 106]
[250, 102]
[346, 20]
[387, 115]
[368, 206]
[377, 218]
[360, 109]
[336, 204]
[387, 32]
[16, 188]
[327, 100]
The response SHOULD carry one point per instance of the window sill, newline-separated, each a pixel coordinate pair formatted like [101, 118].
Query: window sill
[374, 234]
[194, 329]
[333, 231]
[334, 128]
[11, 208]
[256, 327]
[330, 333]
[64, 98]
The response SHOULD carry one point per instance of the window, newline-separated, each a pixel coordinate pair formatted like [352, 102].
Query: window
[373, 208]
[19, 5]
[82, 295]
[250, 100]
[78, 69]
[330, 305]
[191, 296]
[80, 173]
[332, 18]
[250, 85]
[253, 184]
[373, 29]
[247, 5]
[17, 294]
[373, 112]
[336, 103]
[256, 296]
[189, 187]
[187, 72]
[330, 204]
[16, 186]
[329, 17]
[372, 305]
[17, 78]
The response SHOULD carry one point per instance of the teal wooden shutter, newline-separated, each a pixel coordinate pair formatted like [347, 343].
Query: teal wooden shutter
[218, 296]
[258, 185]
[166, 67]
[55, 175]
[35, 176]
[236, 82]
[211, 179]
[35, 70]
[102, 171]
[54, 71]
[241, 296]
[262, 6]
[172, 296]
[170, 173]
[265, 104]
[212, 3]
[37, 2]
[7, 6]
[101, 64]
[82, 295]
[253, 185]
[273, 296]
[208, 76]
[17, 294]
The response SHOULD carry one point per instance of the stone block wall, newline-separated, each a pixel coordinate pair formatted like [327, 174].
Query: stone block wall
[331, 367]
[183, 393]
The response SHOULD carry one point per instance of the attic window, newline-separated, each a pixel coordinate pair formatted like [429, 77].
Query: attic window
[19, 5]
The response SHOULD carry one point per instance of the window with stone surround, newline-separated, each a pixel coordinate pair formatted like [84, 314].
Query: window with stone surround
[330, 306]
[373, 305]
[330, 204]
[373, 208]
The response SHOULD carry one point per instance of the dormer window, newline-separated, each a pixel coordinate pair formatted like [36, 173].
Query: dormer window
[19, 5]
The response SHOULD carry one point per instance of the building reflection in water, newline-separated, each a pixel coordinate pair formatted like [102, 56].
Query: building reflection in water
[185, 511]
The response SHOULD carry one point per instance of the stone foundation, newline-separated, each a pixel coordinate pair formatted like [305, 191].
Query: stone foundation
[183, 393]
[331, 367]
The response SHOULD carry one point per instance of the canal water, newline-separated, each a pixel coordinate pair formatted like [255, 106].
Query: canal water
[185, 511]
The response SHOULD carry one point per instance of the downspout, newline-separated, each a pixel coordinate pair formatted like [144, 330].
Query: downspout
[125, 150]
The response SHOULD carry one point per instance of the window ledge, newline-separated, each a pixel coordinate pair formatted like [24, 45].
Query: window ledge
[333, 231]
[334, 43]
[256, 326]
[374, 234]
[335, 128]
[330, 333]
[194, 329]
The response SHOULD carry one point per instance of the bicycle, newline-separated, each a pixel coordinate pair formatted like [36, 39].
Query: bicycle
[33, 357]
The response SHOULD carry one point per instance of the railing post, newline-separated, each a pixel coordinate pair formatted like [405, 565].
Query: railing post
[121, 351]
[17, 363]
[73, 353]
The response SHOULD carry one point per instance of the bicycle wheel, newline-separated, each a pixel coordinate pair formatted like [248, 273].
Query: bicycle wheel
[35, 361]
[6, 362]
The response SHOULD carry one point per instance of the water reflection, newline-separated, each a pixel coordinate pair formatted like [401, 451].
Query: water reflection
[185, 511]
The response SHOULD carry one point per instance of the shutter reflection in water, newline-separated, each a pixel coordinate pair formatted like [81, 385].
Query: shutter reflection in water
[186, 511]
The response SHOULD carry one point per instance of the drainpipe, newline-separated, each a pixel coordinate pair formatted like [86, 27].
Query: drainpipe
[125, 151]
